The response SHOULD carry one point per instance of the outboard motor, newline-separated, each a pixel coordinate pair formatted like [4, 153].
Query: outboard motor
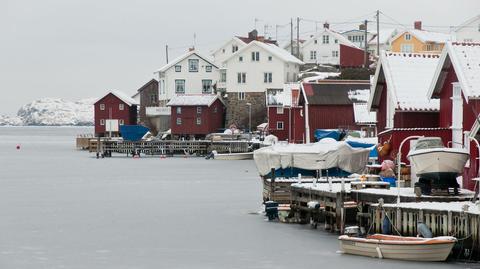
[271, 210]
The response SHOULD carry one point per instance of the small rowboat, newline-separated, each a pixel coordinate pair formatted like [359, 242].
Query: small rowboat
[399, 247]
[233, 156]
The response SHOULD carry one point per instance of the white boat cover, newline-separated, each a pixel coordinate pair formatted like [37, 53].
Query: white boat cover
[325, 154]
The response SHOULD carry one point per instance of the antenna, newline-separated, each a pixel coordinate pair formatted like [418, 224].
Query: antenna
[194, 40]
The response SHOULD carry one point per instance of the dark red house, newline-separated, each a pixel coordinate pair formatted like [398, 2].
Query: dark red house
[112, 110]
[148, 96]
[328, 104]
[196, 115]
[352, 57]
[285, 116]
[456, 84]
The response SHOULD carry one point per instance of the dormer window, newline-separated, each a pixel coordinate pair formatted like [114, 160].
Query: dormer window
[255, 56]
[325, 39]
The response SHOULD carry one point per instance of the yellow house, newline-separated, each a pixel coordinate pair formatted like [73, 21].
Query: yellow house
[418, 41]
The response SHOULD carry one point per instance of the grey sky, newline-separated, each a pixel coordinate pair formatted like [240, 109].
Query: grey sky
[79, 49]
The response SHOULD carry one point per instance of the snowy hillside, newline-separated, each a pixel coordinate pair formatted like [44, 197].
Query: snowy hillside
[53, 112]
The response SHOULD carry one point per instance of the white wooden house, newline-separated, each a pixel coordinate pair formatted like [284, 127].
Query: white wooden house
[468, 31]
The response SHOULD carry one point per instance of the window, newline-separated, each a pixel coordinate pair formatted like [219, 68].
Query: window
[193, 65]
[121, 122]
[121, 106]
[242, 78]
[234, 48]
[313, 55]
[153, 98]
[206, 86]
[215, 109]
[102, 106]
[279, 125]
[267, 77]
[102, 122]
[178, 68]
[325, 39]
[223, 76]
[199, 110]
[315, 41]
[241, 96]
[279, 110]
[408, 36]
[179, 110]
[179, 121]
[199, 121]
[336, 41]
[240, 58]
[406, 48]
[208, 68]
[269, 58]
[255, 56]
[180, 86]
[334, 53]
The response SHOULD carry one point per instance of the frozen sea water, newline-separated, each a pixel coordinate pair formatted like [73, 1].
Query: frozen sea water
[62, 208]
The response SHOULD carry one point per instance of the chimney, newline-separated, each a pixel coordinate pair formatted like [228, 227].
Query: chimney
[253, 34]
[191, 49]
[326, 25]
[417, 25]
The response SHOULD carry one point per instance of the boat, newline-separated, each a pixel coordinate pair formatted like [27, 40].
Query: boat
[233, 156]
[436, 163]
[399, 247]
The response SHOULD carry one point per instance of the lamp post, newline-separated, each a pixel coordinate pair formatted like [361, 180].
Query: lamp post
[249, 117]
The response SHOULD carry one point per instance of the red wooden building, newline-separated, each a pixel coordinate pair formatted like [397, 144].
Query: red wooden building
[285, 116]
[196, 115]
[352, 57]
[115, 108]
[328, 104]
[456, 84]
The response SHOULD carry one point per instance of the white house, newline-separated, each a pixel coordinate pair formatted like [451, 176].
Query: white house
[385, 36]
[468, 31]
[324, 48]
[249, 72]
[357, 36]
[190, 73]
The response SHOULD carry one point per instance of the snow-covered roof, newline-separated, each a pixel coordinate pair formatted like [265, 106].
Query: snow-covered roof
[234, 39]
[341, 39]
[465, 58]
[363, 115]
[193, 100]
[407, 76]
[273, 49]
[183, 57]
[122, 96]
[385, 36]
[426, 36]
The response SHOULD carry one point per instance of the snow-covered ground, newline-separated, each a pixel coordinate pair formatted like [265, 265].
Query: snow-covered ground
[62, 208]
[53, 112]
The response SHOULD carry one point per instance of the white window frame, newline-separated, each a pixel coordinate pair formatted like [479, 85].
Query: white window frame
[406, 48]
[178, 68]
[208, 69]
[193, 65]
[279, 110]
[102, 122]
[241, 78]
[267, 77]
[199, 110]
[209, 89]
[179, 121]
[325, 39]
[408, 36]
[241, 95]
[102, 106]
[223, 76]
[176, 86]
[121, 122]
[121, 107]
[280, 123]
[198, 121]
[179, 110]
[313, 55]
[255, 56]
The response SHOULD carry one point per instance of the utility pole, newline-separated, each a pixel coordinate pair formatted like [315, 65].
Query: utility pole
[365, 54]
[194, 40]
[298, 37]
[166, 52]
[291, 36]
[378, 33]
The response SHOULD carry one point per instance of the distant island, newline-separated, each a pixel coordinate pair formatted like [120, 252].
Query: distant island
[52, 112]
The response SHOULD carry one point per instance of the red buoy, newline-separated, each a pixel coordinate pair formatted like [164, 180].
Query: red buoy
[18, 146]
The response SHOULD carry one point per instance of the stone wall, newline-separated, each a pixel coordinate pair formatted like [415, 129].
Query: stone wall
[237, 110]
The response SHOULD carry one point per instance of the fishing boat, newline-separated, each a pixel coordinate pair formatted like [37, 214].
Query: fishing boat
[233, 156]
[434, 162]
[399, 247]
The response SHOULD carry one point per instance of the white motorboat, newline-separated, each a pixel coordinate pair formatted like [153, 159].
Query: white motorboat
[432, 160]
[399, 247]
[233, 156]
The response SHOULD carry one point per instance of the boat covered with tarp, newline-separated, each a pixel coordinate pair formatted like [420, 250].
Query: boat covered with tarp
[330, 157]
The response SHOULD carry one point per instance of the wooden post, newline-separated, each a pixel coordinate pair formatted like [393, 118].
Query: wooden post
[399, 220]
[273, 184]
[339, 213]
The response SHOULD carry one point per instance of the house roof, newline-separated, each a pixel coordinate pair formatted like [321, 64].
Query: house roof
[426, 36]
[230, 40]
[407, 76]
[465, 58]
[273, 49]
[362, 115]
[194, 100]
[247, 40]
[385, 35]
[122, 96]
[341, 39]
[183, 57]
[146, 84]
[335, 92]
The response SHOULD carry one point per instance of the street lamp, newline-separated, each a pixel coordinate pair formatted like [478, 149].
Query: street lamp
[249, 117]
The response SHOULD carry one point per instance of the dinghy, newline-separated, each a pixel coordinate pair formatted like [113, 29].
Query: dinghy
[399, 247]
[233, 156]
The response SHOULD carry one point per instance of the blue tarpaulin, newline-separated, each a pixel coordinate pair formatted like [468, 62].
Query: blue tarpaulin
[373, 152]
[321, 134]
[133, 132]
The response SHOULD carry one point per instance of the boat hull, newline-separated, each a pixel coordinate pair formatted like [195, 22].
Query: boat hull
[438, 163]
[234, 156]
[397, 250]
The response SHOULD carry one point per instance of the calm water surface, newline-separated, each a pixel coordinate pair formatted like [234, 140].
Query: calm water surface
[62, 208]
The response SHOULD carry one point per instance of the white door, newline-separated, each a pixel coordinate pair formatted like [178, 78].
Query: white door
[457, 116]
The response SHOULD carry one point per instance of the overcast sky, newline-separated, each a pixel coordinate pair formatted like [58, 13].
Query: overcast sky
[79, 49]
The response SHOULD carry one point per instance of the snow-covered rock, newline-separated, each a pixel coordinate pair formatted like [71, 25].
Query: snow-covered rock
[10, 120]
[57, 111]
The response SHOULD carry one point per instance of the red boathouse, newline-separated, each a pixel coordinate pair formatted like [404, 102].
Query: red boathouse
[112, 110]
